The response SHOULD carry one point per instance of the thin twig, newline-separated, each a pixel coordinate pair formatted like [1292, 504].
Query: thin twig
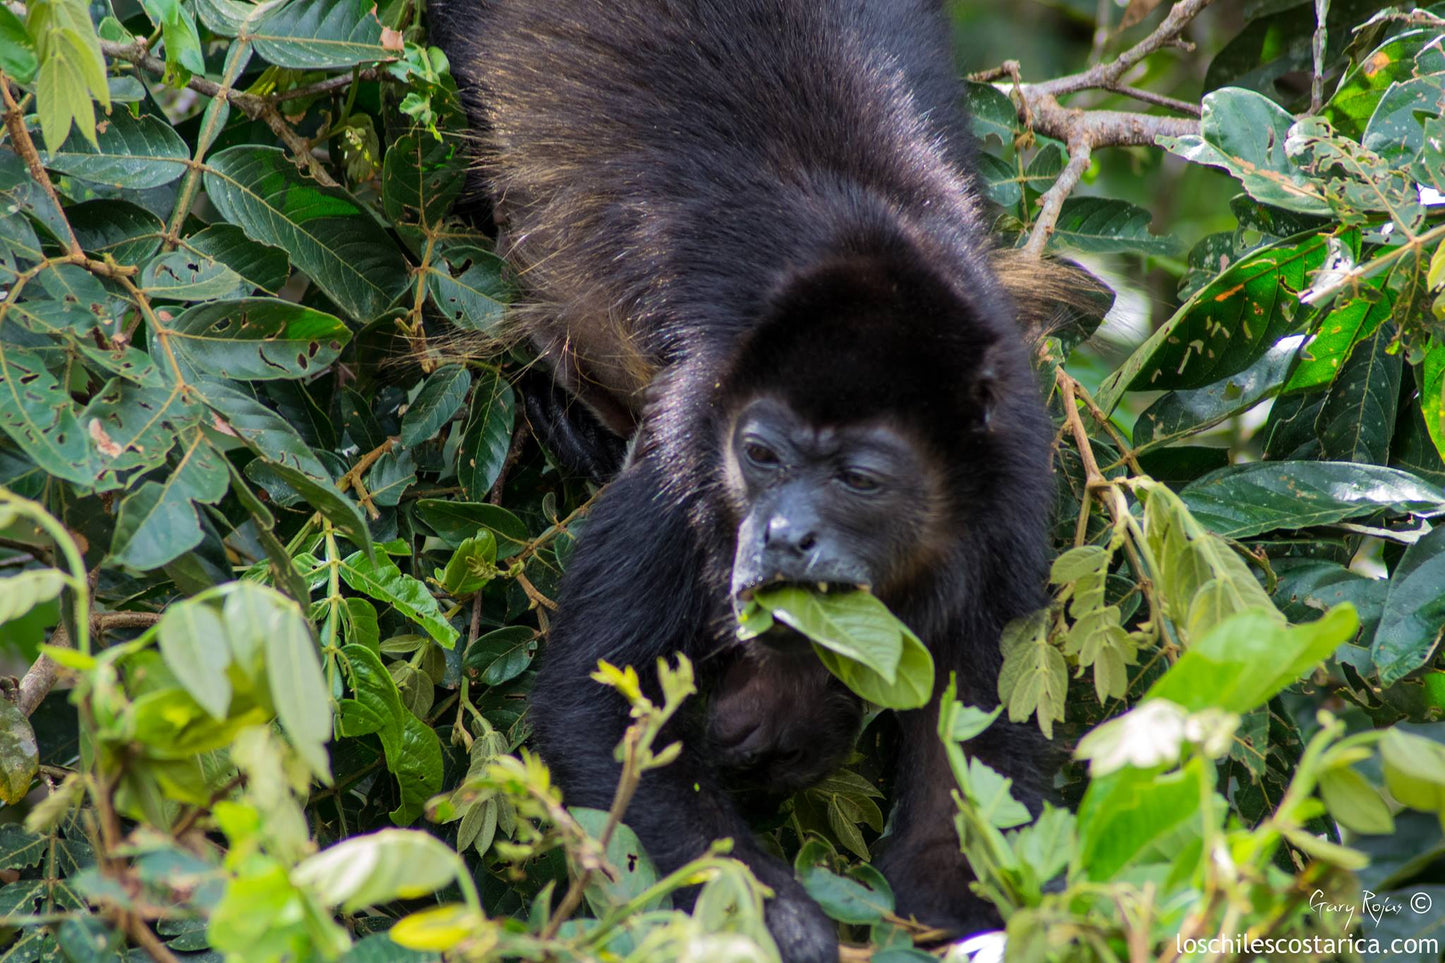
[142, 935]
[325, 86]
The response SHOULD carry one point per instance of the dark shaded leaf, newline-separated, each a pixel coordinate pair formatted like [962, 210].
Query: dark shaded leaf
[257, 339]
[327, 233]
[488, 435]
[1414, 614]
[1250, 499]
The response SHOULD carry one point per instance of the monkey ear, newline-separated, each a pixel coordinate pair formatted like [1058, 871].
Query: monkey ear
[983, 394]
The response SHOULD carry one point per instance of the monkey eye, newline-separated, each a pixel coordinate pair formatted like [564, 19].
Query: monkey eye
[859, 481]
[761, 455]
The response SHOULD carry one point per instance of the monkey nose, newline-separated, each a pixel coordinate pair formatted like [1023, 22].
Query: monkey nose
[787, 537]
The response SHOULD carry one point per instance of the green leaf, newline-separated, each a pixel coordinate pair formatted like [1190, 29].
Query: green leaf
[134, 428]
[1244, 132]
[421, 177]
[1354, 100]
[991, 114]
[377, 868]
[455, 522]
[298, 689]
[471, 566]
[1127, 810]
[1431, 375]
[193, 642]
[24, 591]
[40, 417]
[1353, 317]
[182, 42]
[382, 580]
[158, 522]
[413, 752]
[1414, 770]
[1000, 180]
[1245, 500]
[72, 69]
[324, 496]
[438, 401]
[1226, 325]
[1179, 414]
[634, 874]
[1034, 677]
[1248, 657]
[187, 276]
[1414, 614]
[262, 266]
[845, 900]
[257, 339]
[128, 153]
[1357, 420]
[17, 51]
[487, 439]
[271, 437]
[125, 231]
[912, 686]
[1201, 577]
[475, 298]
[328, 234]
[1354, 802]
[1100, 225]
[19, 753]
[859, 641]
[853, 624]
[320, 34]
[500, 656]
[21, 849]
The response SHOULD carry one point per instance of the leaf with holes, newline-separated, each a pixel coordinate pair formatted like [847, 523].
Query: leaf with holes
[40, 417]
[257, 339]
[185, 276]
[1228, 324]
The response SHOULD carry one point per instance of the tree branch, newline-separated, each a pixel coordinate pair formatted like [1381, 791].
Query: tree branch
[254, 107]
[1083, 130]
[43, 674]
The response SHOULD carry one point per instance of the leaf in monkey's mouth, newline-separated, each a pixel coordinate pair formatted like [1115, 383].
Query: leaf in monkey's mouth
[855, 636]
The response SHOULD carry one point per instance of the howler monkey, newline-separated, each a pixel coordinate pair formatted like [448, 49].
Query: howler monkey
[748, 236]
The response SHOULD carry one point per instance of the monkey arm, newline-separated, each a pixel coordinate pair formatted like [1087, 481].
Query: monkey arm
[635, 591]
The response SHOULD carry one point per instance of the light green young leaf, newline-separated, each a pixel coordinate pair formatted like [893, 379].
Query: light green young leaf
[298, 688]
[193, 643]
[379, 867]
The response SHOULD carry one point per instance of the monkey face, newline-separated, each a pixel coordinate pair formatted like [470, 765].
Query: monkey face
[853, 504]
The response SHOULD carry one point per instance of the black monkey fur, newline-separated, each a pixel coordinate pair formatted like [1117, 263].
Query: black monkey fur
[709, 201]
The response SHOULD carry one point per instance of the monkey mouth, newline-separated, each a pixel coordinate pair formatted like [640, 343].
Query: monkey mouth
[743, 593]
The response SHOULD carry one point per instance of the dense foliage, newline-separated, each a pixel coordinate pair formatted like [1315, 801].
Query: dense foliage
[270, 517]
